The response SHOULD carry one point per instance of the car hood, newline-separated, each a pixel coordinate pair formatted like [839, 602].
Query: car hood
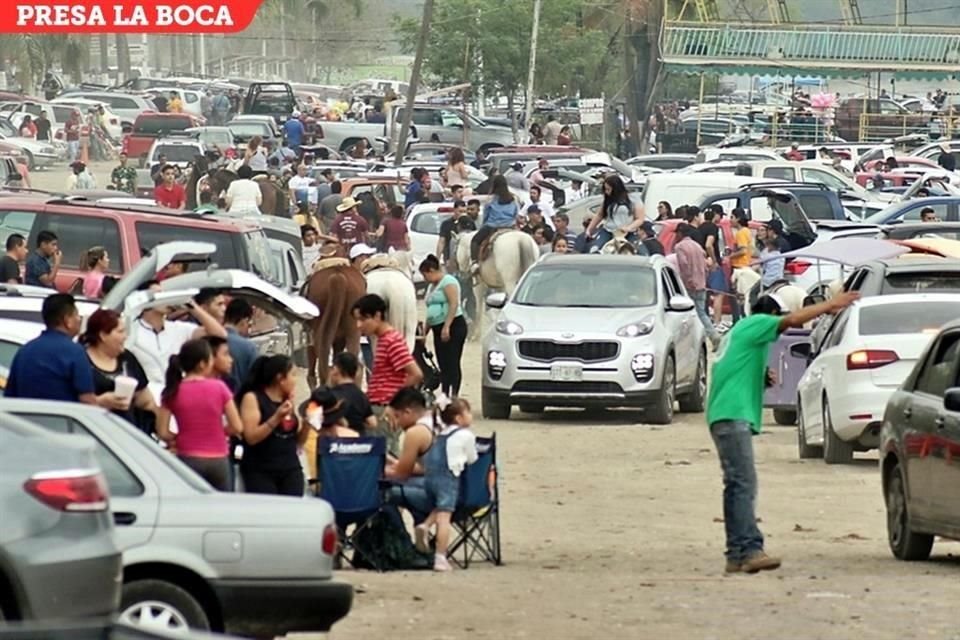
[244, 510]
[574, 320]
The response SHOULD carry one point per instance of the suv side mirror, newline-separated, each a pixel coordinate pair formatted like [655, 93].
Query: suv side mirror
[497, 300]
[951, 399]
[680, 303]
[802, 350]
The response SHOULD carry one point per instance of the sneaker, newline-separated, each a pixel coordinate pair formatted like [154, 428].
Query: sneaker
[733, 567]
[421, 535]
[440, 563]
[760, 561]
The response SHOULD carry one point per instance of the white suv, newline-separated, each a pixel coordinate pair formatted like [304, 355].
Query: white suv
[590, 330]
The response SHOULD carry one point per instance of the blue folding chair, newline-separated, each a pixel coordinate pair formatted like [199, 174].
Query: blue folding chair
[350, 473]
[476, 522]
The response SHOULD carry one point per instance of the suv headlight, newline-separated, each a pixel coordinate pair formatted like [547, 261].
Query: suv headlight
[639, 328]
[509, 328]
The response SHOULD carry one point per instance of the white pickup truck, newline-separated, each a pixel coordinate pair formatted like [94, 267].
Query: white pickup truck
[451, 124]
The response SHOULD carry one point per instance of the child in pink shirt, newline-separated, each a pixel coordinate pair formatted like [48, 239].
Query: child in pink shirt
[201, 406]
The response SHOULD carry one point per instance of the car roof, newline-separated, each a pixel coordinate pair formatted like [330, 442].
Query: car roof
[579, 260]
[879, 301]
[894, 265]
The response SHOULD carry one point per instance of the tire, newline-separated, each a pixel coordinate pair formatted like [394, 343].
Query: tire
[904, 543]
[804, 450]
[835, 450]
[492, 409]
[161, 604]
[785, 417]
[694, 400]
[662, 411]
[532, 408]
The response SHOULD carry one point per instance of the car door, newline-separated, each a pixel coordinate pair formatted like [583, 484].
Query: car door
[681, 327]
[153, 263]
[924, 420]
[134, 497]
[816, 378]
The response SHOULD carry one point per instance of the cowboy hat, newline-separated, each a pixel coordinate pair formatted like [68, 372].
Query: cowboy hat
[347, 204]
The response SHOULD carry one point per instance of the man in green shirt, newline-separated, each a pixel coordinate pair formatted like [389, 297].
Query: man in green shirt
[734, 410]
[124, 178]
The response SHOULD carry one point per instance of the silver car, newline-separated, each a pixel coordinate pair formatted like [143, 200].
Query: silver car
[58, 558]
[589, 330]
[247, 564]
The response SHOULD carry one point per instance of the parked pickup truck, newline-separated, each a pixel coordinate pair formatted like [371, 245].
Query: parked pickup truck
[451, 124]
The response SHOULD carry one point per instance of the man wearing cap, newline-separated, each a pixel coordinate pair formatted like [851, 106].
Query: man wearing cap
[349, 226]
[535, 221]
[775, 231]
[734, 413]
[293, 132]
[359, 253]
[794, 154]
[457, 222]
[515, 177]
[648, 238]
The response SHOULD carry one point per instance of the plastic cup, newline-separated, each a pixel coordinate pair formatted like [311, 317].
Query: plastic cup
[125, 387]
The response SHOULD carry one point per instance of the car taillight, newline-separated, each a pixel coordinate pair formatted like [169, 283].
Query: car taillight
[70, 490]
[870, 359]
[329, 543]
[796, 267]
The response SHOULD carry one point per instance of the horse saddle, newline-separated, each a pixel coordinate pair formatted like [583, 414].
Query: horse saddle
[376, 262]
[486, 247]
[758, 288]
[326, 263]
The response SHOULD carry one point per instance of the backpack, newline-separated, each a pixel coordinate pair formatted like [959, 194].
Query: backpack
[386, 545]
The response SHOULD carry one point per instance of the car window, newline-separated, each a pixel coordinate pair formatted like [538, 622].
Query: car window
[903, 318]
[177, 152]
[674, 281]
[120, 479]
[816, 176]
[250, 129]
[835, 331]
[779, 173]
[7, 351]
[428, 222]
[77, 233]
[913, 214]
[150, 234]
[191, 98]
[62, 114]
[258, 249]
[668, 290]
[16, 222]
[855, 281]
[921, 281]
[937, 372]
[121, 103]
[816, 205]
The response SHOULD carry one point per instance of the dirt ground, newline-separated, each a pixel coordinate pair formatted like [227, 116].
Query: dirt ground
[613, 529]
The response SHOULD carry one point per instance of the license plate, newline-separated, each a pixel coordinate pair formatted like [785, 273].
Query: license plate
[566, 373]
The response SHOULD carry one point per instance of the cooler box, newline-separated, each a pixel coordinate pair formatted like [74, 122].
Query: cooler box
[782, 396]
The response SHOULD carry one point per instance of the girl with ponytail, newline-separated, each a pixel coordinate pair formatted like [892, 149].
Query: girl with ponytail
[94, 262]
[201, 406]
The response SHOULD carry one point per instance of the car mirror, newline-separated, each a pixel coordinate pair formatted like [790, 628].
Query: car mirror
[497, 300]
[680, 303]
[801, 350]
[951, 399]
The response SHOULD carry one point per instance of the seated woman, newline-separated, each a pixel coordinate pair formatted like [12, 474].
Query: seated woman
[410, 414]
[499, 213]
[616, 214]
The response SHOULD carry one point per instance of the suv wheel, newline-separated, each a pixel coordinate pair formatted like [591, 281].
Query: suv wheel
[835, 450]
[693, 401]
[492, 409]
[785, 417]
[904, 543]
[157, 604]
[662, 411]
[805, 451]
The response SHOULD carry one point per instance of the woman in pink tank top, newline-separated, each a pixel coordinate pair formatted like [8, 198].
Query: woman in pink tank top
[202, 406]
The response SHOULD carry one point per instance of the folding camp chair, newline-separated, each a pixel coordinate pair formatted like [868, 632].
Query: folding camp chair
[350, 473]
[476, 522]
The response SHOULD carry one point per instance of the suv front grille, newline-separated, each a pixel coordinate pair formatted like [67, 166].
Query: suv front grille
[578, 388]
[547, 350]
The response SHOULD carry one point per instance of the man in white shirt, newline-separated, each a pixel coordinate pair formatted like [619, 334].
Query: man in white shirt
[153, 338]
[535, 199]
[574, 192]
[303, 182]
[552, 131]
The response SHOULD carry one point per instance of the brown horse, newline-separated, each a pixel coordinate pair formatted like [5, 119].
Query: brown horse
[334, 287]
[275, 201]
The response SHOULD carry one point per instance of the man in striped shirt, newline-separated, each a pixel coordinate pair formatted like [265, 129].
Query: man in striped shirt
[393, 365]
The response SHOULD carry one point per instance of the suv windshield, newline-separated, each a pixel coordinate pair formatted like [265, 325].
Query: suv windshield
[903, 317]
[588, 286]
[250, 129]
[922, 282]
[177, 152]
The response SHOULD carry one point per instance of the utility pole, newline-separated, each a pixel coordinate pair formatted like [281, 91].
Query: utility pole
[528, 111]
[398, 152]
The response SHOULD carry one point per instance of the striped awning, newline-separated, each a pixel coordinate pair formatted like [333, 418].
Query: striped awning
[820, 50]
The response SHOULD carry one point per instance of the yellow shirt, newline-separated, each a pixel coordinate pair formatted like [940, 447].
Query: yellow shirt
[175, 105]
[743, 239]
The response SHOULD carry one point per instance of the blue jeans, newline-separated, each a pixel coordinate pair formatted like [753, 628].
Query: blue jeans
[411, 495]
[700, 303]
[603, 237]
[735, 448]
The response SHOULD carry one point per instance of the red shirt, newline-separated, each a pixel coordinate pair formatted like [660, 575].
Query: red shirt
[175, 197]
[389, 361]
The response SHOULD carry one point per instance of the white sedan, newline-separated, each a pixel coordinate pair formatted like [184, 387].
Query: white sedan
[866, 354]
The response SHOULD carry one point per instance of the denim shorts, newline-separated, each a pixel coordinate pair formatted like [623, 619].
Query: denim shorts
[443, 490]
[717, 281]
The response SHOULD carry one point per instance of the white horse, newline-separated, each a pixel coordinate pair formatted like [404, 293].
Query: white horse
[396, 287]
[513, 252]
[744, 279]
